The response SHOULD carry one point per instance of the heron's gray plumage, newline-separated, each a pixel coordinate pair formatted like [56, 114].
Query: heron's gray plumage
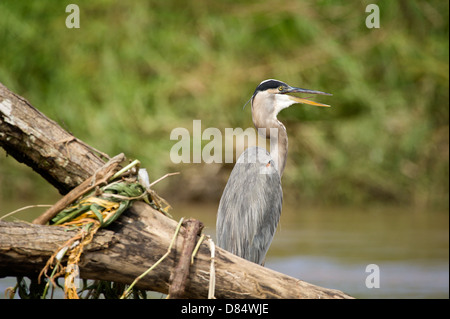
[250, 206]
[248, 213]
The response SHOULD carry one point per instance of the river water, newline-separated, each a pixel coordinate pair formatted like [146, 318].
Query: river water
[407, 250]
[332, 247]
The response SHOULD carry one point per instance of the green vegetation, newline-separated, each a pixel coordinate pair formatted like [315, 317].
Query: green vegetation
[136, 70]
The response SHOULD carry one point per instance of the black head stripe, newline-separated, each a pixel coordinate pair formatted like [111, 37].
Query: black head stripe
[268, 84]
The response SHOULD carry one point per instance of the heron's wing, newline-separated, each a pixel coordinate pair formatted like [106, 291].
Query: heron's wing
[250, 207]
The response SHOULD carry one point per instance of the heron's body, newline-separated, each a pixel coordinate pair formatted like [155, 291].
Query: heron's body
[250, 215]
[250, 207]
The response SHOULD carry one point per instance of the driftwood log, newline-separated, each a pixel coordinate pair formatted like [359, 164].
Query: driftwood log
[31, 138]
[134, 243]
[136, 240]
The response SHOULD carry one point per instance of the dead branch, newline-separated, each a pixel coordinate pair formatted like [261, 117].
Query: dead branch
[181, 271]
[135, 242]
[100, 177]
[31, 138]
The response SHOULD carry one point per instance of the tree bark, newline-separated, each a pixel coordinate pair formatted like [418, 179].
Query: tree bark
[101, 176]
[132, 243]
[135, 242]
[31, 138]
[181, 271]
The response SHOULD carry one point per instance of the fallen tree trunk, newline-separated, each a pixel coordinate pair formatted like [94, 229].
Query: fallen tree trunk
[31, 138]
[134, 243]
[131, 244]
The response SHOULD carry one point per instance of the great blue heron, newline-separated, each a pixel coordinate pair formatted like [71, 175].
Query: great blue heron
[250, 206]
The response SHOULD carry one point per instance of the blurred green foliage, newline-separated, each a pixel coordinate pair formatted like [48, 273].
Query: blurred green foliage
[136, 70]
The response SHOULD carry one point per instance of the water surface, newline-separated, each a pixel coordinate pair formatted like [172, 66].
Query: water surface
[331, 247]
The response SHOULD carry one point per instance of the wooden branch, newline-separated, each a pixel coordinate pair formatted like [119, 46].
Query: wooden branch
[100, 177]
[181, 271]
[32, 138]
[134, 243]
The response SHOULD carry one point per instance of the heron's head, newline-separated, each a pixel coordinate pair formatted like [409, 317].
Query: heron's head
[271, 96]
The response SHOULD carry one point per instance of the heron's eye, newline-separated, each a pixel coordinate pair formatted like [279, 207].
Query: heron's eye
[280, 88]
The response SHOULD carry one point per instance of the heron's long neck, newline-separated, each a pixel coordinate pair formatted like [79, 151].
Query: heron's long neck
[264, 116]
[279, 147]
[275, 131]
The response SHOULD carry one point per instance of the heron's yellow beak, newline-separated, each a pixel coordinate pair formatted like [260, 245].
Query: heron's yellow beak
[305, 101]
